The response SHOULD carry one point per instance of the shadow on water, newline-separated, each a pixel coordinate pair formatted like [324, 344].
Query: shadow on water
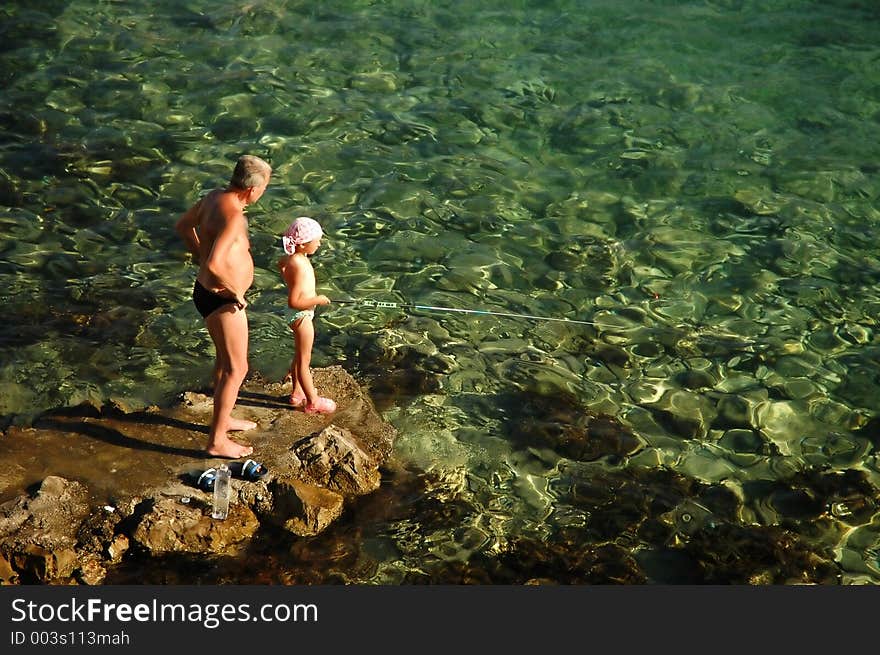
[144, 418]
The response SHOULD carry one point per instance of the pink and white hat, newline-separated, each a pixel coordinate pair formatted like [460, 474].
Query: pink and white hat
[302, 230]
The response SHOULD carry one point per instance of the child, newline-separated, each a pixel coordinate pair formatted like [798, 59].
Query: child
[301, 240]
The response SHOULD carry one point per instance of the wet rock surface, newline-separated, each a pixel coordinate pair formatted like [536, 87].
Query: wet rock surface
[125, 482]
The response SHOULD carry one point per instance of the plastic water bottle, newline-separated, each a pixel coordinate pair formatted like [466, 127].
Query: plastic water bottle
[221, 493]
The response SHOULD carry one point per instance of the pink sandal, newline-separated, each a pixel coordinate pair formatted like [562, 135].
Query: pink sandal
[322, 406]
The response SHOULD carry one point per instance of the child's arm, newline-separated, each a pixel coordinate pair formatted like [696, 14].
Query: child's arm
[295, 273]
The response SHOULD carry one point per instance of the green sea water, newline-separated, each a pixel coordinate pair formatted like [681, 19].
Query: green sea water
[698, 179]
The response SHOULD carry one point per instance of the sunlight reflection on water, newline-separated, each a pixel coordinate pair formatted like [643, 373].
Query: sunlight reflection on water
[716, 224]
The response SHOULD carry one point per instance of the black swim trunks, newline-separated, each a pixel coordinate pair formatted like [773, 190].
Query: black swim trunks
[207, 302]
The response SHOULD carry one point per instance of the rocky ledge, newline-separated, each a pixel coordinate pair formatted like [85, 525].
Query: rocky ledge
[97, 482]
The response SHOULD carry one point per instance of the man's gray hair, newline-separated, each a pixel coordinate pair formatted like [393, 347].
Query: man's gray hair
[250, 171]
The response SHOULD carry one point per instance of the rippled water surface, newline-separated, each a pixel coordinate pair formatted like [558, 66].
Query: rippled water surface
[696, 180]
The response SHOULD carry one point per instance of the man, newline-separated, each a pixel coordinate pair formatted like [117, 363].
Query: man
[215, 232]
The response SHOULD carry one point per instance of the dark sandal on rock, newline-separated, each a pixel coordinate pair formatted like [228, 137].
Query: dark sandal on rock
[253, 471]
[206, 480]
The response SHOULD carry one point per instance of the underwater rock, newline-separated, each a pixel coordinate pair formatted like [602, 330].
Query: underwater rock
[398, 368]
[733, 412]
[693, 532]
[871, 431]
[559, 422]
[528, 561]
[684, 413]
[849, 496]
[733, 554]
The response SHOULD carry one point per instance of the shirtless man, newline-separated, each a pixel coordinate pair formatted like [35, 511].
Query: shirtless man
[215, 232]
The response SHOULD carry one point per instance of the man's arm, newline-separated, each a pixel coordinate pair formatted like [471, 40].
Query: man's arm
[186, 228]
[219, 257]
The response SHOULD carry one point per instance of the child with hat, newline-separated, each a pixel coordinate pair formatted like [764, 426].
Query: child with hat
[301, 240]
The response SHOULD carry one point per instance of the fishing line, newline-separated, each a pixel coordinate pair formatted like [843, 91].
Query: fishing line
[378, 304]
[403, 305]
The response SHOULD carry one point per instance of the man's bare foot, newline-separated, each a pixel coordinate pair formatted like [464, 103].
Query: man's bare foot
[239, 424]
[226, 447]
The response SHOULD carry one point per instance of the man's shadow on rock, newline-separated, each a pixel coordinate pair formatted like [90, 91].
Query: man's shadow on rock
[117, 438]
[265, 400]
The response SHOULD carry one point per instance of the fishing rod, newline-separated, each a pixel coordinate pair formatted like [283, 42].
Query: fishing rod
[378, 304]
[403, 305]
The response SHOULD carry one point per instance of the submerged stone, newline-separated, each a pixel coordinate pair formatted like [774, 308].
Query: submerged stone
[561, 424]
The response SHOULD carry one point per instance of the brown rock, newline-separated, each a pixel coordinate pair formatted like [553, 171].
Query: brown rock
[33, 562]
[98, 530]
[334, 459]
[42, 564]
[50, 518]
[91, 570]
[38, 534]
[171, 527]
[7, 573]
[303, 508]
[117, 548]
[255, 495]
